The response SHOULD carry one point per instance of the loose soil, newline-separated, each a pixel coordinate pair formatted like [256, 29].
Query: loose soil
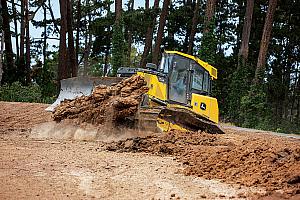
[107, 104]
[246, 159]
[176, 165]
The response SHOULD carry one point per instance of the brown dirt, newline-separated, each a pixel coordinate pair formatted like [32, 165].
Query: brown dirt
[107, 104]
[250, 160]
[45, 168]
[245, 162]
[21, 116]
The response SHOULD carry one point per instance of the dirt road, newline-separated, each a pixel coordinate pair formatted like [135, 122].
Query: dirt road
[47, 168]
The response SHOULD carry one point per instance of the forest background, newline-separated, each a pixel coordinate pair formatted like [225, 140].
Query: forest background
[254, 44]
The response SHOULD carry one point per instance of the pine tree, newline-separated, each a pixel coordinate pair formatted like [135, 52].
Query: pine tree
[244, 49]
[118, 42]
[160, 32]
[149, 34]
[9, 69]
[261, 62]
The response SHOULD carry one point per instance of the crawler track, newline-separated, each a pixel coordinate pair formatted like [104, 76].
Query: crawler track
[146, 119]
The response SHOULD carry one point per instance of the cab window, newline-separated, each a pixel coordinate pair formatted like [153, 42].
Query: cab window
[200, 78]
[178, 79]
[165, 64]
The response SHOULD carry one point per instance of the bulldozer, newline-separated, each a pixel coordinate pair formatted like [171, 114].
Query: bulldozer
[179, 95]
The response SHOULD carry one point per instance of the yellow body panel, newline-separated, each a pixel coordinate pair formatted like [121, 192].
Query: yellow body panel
[156, 89]
[211, 112]
[211, 70]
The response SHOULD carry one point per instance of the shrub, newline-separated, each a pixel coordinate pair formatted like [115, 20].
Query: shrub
[254, 109]
[19, 93]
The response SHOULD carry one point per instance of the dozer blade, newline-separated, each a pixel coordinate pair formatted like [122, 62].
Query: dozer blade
[182, 119]
[79, 86]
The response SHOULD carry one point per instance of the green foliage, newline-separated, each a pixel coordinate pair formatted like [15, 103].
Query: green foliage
[102, 29]
[286, 126]
[208, 48]
[96, 69]
[118, 47]
[17, 92]
[254, 112]
[137, 22]
[44, 77]
[135, 57]
[179, 23]
[239, 87]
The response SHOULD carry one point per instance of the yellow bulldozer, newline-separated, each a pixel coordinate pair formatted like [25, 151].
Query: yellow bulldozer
[179, 95]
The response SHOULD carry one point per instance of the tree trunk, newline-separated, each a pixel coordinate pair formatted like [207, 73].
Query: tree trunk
[146, 4]
[78, 17]
[160, 32]
[9, 70]
[194, 28]
[118, 9]
[45, 35]
[105, 70]
[261, 62]
[22, 67]
[63, 71]
[88, 40]
[106, 61]
[16, 29]
[88, 44]
[71, 50]
[188, 5]
[149, 36]
[27, 70]
[244, 49]
[86, 55]
[209, 13]
[22, 39]
[129, 33]
[1, 54]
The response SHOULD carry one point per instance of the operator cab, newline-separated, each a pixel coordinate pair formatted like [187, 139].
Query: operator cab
[185, 76]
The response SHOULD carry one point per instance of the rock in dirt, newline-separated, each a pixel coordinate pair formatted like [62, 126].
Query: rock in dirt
[111, 104]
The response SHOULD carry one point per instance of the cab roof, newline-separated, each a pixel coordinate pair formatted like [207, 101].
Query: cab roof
[211, 70]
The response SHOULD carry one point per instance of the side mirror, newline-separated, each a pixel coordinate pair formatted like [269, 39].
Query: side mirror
[151, 66]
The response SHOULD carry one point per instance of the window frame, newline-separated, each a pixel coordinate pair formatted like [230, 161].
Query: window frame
[205, 78]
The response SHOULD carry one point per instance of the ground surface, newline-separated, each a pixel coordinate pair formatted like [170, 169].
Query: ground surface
[69, 167]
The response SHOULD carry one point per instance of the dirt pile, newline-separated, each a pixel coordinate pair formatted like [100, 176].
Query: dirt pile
[171, 143]
[111, 104]
[255, 162]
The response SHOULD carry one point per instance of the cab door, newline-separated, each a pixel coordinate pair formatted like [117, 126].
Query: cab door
[178, 80]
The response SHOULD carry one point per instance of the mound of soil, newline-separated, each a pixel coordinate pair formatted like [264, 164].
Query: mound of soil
[255, 162]
[106, 104]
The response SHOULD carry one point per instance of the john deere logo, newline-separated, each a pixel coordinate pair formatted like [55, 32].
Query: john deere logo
[203, 106]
